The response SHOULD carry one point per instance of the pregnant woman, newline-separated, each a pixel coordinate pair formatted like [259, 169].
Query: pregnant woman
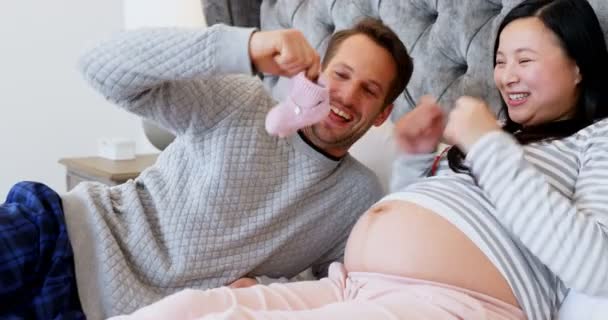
[498, 227]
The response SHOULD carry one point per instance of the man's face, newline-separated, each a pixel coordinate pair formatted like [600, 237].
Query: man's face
[359, 78]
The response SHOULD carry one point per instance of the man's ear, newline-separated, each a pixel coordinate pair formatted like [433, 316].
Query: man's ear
[383, 115]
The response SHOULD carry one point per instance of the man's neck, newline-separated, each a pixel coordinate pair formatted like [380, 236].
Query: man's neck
[319, 150]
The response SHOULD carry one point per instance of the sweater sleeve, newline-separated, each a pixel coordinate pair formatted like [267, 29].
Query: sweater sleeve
[177, 78]
[570, 236]
[409, 168]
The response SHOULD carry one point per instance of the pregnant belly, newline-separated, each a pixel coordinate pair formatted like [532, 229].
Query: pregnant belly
[401, 238]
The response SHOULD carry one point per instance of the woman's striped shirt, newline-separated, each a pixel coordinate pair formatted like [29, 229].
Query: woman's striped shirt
[539, 212]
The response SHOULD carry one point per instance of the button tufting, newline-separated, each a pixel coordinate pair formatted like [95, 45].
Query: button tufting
[463, 68]
[434, 16]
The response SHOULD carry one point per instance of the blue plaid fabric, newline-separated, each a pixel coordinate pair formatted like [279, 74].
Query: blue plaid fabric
[37, 278]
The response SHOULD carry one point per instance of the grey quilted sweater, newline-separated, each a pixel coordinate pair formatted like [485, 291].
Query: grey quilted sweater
[225, 199]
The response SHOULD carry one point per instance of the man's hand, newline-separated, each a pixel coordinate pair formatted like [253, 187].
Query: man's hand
[420, 130]
[243, 283]
[469, 120]
[283, 53]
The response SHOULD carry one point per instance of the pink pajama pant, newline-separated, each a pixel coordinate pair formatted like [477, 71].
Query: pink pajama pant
[355, 295]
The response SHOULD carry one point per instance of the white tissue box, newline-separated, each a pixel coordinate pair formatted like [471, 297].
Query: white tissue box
[116, 148]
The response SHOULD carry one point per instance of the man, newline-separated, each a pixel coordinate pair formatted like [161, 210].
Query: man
[225, 200]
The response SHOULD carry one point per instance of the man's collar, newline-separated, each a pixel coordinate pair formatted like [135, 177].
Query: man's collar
[319, 150]
[302, 145]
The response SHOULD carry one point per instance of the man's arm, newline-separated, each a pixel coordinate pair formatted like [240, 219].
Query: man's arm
[178, 77]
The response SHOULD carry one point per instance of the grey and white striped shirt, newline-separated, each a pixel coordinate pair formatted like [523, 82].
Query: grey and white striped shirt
[539, 212]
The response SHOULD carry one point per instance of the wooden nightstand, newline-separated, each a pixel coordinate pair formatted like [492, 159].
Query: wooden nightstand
[110, 172]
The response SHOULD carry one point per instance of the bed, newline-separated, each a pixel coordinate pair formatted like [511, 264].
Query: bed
[451, 43]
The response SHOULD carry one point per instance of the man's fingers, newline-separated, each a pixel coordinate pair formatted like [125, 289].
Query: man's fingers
[294, 53]
[286, 57]
[283, 52]
[296, 56]
[314, 68]
[290, 69]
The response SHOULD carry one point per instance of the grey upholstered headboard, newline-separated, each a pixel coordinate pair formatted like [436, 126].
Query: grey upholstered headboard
[450, 40]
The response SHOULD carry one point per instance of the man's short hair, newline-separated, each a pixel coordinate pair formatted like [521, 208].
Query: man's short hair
[386, 38]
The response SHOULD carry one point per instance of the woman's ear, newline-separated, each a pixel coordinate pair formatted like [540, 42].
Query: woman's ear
[577, 75]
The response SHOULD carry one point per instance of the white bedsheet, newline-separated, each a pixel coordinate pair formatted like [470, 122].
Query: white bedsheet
[578, 306]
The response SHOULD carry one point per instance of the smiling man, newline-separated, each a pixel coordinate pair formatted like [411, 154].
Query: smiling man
[366, 68]
[225, 200]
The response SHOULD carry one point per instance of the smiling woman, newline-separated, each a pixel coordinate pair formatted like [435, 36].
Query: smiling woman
[529, 57]
[550, 73]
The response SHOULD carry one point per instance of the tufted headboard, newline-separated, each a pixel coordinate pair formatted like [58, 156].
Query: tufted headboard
[451, 41]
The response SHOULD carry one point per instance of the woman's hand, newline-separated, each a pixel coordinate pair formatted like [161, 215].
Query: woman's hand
[468, 121]
[420, 130]
[283, 53]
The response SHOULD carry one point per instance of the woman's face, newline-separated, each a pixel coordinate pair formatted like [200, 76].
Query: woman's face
[536, 78]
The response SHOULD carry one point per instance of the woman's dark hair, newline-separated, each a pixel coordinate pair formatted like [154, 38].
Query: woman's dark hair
[577, 27]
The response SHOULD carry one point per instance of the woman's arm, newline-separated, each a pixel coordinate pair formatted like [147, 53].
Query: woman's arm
[570, 236]
[417, 134]
[409, 168]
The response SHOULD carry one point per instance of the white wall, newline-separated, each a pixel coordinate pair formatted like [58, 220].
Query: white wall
[163, 13]
[46, 110]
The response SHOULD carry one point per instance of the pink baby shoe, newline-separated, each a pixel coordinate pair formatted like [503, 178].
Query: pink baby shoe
[306, 104]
